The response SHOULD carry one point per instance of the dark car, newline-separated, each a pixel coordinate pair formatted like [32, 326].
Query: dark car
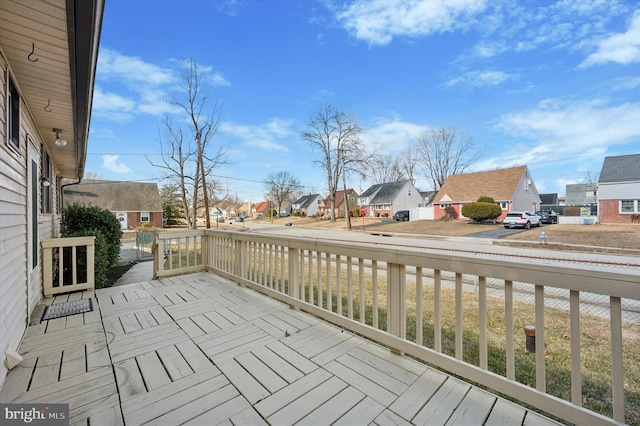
[548, 216]
[239, 219]
[401, 215]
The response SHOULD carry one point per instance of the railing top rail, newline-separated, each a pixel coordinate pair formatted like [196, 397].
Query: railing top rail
[68, 241]
[180, 234]
[587, 278]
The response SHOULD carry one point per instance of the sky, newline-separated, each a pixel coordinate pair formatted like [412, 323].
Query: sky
[554, 85]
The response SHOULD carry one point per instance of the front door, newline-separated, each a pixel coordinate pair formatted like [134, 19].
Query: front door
[33, 244]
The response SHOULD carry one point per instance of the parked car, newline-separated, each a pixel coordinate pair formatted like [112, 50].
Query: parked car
[401, 215]
[521, 220]
[548, 216]
[239, 219]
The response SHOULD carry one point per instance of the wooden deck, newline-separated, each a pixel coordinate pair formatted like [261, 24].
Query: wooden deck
[199, 349]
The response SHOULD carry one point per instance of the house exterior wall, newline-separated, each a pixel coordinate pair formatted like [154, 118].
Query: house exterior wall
[20, 284]
[133, 219]
[526, 197]
[609, 196]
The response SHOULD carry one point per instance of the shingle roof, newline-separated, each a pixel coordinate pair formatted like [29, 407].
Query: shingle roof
[623, 168]
[500, 184]
[388, 192]
[306, 200]
[115, 196]
[549, 199]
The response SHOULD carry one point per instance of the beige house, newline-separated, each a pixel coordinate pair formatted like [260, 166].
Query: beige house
[48, 56]
[133, 203]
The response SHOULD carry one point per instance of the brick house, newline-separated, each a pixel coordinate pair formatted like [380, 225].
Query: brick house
[619, 189]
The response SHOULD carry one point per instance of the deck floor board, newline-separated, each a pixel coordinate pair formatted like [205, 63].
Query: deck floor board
[198, 349]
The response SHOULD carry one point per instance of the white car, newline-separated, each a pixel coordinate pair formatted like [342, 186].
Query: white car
[521, 220]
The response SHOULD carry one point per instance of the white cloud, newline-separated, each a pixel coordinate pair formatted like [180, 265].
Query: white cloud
[392, 136]
[267, 136]
[378, 21]
[561, 130]
[477, 79]
[129, 86]
[110, 162]
[622, 48]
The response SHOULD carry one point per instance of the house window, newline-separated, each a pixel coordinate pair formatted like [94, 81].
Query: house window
[629, 206]
[144, 217]
[45, 175]
[13, 116]
[409, 193]
[503, 205]
[444, 206]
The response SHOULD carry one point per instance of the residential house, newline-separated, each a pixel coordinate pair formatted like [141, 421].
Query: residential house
[581, 194]
[384, 199]
[513, 189]
[261, 208]
[340, 203]
[427, 197]
[48, 57]
[306, 205]
[549, 201]
[133, 203]
[244, 209]
[619, 189]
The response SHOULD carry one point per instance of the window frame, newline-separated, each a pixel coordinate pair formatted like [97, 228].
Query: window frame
[46, 167]
[142, 216]
[13, 114]
[635, 206]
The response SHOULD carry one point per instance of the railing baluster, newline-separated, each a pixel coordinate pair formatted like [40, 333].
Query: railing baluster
[329, 285]
[374, 278]
[350, 286]
[576, 376]
[458, 342]
[74, 266]
[508, 315]
[482, 312]
[311, 276]
[319, 267]
[541, 381]
[419, 313]
[437, 311]
[339, 285]
[617, 373]
[363, 309]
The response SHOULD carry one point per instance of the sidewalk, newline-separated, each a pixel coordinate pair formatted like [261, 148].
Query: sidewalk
[141, 271]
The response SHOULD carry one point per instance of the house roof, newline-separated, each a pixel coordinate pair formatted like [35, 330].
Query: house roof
[500, 184]
[115, 196]
[387, 192]
[622, 168]
[549, 199]
[306, 200]
[428, 196]
[340, 198]
[63, 37]
[262, 206]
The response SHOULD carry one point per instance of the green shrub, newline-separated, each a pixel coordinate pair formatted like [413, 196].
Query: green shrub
[101, 261]
[481, 211]
[485, 199]
[77, 217]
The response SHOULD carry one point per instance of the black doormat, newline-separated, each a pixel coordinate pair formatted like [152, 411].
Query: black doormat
[60, 310]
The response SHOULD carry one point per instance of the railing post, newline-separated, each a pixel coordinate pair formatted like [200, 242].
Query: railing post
[157, 255]
[293, 273]
[241, 259]
[396, 289]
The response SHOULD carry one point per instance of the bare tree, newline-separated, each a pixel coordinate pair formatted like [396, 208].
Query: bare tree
[384, 168]
[189, 159]
[280, 187]
[407, 163]
[444, 152]
[335, 134]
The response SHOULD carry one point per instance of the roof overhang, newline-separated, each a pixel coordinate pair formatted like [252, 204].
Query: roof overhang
[52, 51]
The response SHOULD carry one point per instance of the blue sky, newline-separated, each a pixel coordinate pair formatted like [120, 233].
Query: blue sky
[554, 85]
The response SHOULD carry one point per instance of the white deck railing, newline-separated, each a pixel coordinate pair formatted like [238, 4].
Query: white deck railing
[419, 303]
[65, 262]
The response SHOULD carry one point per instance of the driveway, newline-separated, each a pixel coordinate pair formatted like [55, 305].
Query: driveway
[497, 233]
